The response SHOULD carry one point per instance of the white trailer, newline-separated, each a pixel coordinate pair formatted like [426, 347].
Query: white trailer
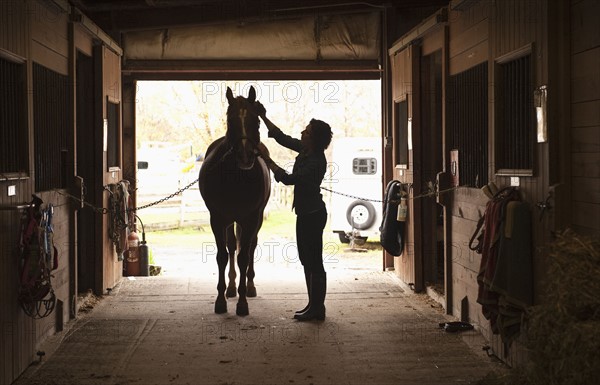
[356, 184]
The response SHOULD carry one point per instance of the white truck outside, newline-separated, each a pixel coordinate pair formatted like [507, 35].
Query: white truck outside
[355, 180]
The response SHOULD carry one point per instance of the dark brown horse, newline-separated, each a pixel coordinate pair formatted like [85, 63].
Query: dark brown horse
[235, 184]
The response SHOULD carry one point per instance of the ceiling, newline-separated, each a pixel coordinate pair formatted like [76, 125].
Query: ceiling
[216, 39]
[116, 16]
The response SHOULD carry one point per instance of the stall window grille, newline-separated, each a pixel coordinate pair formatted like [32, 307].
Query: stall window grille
[113, 145]
[467, 106]
[364, 166]
[50, 122]
[401, 116]
[13, 122]
[514, 117]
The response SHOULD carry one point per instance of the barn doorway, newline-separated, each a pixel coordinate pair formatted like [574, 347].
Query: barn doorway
[177, 120]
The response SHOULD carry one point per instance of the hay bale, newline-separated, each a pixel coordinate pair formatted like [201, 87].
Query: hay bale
[563, 332]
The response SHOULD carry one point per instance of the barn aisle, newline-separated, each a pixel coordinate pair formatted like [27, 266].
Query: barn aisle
[162, 330]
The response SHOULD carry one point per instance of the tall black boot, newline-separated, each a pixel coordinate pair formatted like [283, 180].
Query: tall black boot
[318, 289]
[307, 279]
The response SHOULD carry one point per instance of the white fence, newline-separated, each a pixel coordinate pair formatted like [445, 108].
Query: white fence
[188, 208]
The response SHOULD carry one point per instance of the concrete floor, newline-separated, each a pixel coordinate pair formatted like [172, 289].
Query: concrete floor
[162, 330]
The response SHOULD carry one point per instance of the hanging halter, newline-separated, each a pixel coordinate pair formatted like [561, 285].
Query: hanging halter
[37, 257]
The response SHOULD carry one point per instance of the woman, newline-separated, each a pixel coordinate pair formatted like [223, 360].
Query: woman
[311, 215]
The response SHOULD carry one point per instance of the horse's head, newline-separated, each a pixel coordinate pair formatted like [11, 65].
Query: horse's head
[242, 127]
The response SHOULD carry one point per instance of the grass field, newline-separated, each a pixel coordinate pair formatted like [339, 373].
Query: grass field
[182, 251]
[280, 224]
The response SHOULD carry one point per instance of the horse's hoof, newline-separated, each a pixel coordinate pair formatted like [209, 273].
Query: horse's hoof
[221, 307]
[251, 291]
[242, 309]
[231, 292]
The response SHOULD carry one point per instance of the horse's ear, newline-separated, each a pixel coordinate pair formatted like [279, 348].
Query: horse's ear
[229, 95]
[252, 94]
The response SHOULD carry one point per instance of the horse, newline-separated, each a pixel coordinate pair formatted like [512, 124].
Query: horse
[235, 185]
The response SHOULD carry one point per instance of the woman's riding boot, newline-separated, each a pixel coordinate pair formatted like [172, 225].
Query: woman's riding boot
[307, 278]
[318, 289]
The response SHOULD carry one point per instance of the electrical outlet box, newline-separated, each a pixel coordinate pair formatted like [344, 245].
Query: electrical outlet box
[12, 190]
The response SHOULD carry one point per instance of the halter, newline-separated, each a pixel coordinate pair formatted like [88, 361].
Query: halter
[238, 114]
[231, 147]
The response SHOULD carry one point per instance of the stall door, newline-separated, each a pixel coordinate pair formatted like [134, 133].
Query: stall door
[430, 154]
[407, 168]
[417, 91]
[86, 165]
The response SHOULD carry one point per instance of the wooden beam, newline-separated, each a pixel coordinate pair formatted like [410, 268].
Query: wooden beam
[92, 28]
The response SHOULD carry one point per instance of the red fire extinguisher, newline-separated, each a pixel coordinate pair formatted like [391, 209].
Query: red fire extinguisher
[133, 254]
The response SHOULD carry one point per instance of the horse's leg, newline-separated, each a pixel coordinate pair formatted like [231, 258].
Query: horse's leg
[248, 234]
[231, 247]
[251, 289]
[219, 230]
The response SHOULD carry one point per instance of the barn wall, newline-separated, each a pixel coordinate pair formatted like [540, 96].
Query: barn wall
[488, 32]
[485, 33]
[16, 329]
[585, 116]
[14, 46]
[38, 34]
[49, 47]
[14, 34]
[468, 46]
[41, 32]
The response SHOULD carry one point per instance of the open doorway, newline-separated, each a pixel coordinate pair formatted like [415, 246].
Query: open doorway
[177, 120]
